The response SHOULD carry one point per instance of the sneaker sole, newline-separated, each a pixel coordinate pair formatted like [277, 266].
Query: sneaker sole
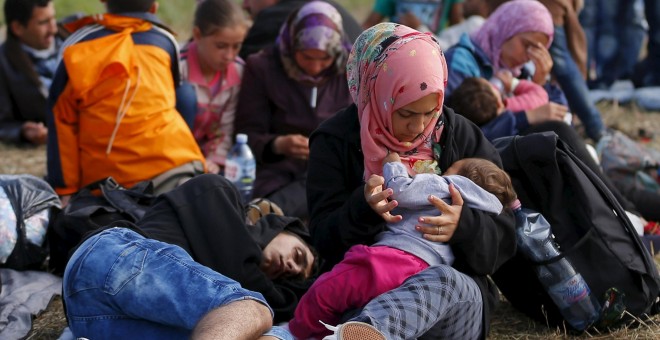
[359, 331]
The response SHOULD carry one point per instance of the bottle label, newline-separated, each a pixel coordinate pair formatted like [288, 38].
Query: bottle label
[569, 291]
[236, 173]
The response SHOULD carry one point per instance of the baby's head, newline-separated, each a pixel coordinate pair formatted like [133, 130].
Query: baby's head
[487, 175]
[477, 100]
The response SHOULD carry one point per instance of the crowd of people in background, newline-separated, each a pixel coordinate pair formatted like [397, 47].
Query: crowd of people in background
[335, 112]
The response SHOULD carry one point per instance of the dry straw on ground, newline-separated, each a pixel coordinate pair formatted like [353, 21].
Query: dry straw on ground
[507, 323]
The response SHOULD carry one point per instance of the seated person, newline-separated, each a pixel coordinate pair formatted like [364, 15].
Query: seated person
[210, 63]
[426, 16]
[112, 104]
[349, 206]
[269, 15]
[287, 91]
[364, 274]
[28, 59]
[194, 253]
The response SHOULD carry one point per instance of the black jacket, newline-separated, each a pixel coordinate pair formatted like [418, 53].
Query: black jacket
[205, 217]
[20, 97]
[340, 216]
[267, 24]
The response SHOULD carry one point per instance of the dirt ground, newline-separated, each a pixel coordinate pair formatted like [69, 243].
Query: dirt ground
[507, 322]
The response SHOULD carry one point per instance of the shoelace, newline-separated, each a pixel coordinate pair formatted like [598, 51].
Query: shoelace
[123, 108]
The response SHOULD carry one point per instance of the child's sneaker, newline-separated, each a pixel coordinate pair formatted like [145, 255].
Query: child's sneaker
[354, 330]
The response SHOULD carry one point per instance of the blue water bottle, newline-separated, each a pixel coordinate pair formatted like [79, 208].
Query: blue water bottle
[562, 282]
[241, 168]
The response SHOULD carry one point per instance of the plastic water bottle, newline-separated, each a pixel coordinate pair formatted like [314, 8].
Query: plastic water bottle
[241, 168]
[566, 287]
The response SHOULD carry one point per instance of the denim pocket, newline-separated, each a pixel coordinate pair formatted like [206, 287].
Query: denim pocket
[125, 268]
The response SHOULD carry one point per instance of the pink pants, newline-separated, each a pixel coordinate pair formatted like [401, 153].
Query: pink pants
[364, 273]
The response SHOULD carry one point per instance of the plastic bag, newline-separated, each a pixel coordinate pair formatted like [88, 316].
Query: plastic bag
[25, 203]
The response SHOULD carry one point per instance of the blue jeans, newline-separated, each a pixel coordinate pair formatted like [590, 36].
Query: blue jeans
[647, 72]
[615, 33]
[575, 88]
[119, 284]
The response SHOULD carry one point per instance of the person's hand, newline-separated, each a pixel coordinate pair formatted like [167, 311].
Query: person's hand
[64, 199]
[441, 228]
[506, 77]
[542, 60]
[391, 157]
[35, 133]
[546, 112]
[294, 146]
[410, 20]
[212, 167]
[378, 199]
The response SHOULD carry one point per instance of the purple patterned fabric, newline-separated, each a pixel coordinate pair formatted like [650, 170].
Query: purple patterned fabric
[316, 25]
[509, 19]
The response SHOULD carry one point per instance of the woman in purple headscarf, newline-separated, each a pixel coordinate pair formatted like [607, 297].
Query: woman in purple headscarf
[287, 91]
[517, 32]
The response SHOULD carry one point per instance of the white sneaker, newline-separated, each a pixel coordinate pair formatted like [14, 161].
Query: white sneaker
[353, 330]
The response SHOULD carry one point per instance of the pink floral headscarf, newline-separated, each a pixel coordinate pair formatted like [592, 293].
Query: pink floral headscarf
[509, 19]
[391, 66]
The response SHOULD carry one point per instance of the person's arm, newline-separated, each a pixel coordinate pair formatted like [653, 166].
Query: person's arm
[526, 95]
[382, 9]
[483, 241]
[228, 321]
[63, 154]
[456, 13]
[10, 128]
[253, 113]
[374, 18]
[505, 124]
[475, 196]
[542, 60]
[186, 102]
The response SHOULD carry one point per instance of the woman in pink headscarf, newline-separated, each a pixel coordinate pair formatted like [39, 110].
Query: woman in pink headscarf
[397, 79]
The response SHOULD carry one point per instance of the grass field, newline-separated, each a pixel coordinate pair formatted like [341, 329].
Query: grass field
[177, 14]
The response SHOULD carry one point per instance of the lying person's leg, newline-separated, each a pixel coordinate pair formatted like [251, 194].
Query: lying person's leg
[121, 284]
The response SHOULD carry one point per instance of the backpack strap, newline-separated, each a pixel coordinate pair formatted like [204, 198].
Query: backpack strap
[127, 201]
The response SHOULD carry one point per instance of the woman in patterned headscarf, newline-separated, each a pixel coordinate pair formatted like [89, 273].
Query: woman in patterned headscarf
[287, 91]
[397, 78]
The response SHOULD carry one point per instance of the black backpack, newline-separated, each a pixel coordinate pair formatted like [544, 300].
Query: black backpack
[28, 196]
[95, 206]
[590, 227]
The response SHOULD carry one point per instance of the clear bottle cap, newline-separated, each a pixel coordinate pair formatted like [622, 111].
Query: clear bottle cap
[241, 138]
